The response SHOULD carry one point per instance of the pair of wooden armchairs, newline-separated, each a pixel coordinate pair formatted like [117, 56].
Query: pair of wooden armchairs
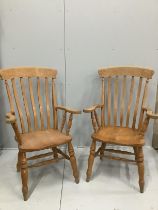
[34, 117]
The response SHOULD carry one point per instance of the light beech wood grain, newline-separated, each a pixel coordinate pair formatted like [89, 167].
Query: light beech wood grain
[121, 134]
[37, 137]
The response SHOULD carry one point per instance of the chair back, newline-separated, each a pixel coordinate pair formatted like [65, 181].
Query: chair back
[31, 94]
[124, 93]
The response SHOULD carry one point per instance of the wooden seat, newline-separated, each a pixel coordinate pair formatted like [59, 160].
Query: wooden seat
[122, 116]
[34, 116]
[120, 136]
[39, 140]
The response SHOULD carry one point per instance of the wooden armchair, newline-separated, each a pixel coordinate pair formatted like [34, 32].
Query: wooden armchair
[124, 116]
[31, 91]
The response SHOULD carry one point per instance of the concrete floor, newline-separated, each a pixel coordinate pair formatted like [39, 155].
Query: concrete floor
[114, 185]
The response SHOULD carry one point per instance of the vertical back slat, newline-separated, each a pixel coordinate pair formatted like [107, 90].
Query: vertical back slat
[18, 105]
[47, 103]
[103, 102]
[137, 102]
[123, 100]
[54, 104]
[25, 104]
[143, 104]
[9, 96]
[40, 103]
[130, 101]
[115, 100]
[109, 99]
[33, 103]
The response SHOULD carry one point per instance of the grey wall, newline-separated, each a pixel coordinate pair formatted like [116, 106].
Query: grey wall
[32, 34]
[95, 34]
[107, 33]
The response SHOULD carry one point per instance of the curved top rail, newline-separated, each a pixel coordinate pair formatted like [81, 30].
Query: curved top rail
[22, 72]
[127, 71]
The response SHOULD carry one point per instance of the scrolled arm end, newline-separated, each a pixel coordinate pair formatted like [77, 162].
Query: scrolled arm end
[10, 118]
[151, 115]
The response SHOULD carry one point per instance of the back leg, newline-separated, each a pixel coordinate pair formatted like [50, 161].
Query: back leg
[102, 151]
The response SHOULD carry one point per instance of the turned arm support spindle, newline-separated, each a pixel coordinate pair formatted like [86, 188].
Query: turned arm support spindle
[94, 116]
[71, 112]
[149, 115]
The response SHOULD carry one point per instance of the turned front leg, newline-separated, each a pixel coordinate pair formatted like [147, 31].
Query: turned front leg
[102, 151]
[24, 175]
[140, 164]
[91, 160]
[73, 162]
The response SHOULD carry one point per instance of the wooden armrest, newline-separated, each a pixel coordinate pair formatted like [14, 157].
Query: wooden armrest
[150, 113]
[73, 111]
[10, 117]
[92, 108]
